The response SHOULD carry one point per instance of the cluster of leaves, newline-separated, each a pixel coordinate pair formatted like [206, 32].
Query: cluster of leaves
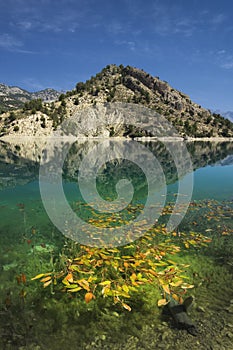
[118, 273]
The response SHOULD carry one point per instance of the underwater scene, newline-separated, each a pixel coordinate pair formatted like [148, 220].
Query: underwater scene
[120, 279]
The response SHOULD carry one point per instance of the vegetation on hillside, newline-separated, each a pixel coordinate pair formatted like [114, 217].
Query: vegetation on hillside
[130, 85]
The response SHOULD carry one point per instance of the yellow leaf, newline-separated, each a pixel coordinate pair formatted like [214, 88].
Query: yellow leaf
[84, 284]
[172, 262]
[125, 288]
[104, 283]
[175, 297]
[162, 253]
[88, 297]
[45, 279]
[73, 290]
[166, 288]
[187, 286]
[152, 272]
[65, 282]
[133, 277]
[162, 302]
[161, 263]
[37, 276]
[176, 284]
[126, 306]
[69, 278]
[106, 290]
[46, 284]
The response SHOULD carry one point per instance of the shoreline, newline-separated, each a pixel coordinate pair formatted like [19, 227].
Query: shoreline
[10, 138]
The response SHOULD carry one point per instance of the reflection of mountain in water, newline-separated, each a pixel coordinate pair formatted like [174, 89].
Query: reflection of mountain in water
[227, 161]
[20, 161]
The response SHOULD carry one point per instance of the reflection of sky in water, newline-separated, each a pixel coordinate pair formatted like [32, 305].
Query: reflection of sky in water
[211, 182]
[214, 182]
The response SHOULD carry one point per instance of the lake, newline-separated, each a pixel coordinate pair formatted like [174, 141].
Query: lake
[124, 192]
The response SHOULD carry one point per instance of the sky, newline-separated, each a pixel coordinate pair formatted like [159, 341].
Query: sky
[189, 44]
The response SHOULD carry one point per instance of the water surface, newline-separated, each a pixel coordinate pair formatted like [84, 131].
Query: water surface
[34, 318]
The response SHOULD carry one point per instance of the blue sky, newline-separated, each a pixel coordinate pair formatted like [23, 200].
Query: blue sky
[48, 43]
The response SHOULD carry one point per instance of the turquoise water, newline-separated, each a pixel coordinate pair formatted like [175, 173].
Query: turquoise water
[214, 182]
[31, 244]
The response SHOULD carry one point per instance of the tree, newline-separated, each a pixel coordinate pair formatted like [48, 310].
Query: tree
[62, 97]
[80, 86]
[12, 117]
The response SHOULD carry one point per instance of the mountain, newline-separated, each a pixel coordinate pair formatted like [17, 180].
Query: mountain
[117, 84]
[228, 115]
[12, 97]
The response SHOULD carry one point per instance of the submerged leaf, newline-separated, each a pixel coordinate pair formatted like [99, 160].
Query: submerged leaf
[46, 284]
[73, 290]
[37, 276]
[88, 297]
[162, 302]
[126, 306]
[104, 283]
[45, 279]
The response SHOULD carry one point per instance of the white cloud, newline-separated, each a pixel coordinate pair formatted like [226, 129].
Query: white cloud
[218, 19]
[130, 44]
[26, 25]
[9, 42]
[228, 65]
[221, 52]
[116, 28]
[223, 58]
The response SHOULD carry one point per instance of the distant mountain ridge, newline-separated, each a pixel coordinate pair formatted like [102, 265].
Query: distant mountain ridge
[12, 97]
[228, 115]
[117, 84]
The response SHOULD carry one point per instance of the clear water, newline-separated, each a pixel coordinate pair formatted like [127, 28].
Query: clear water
[33, 318]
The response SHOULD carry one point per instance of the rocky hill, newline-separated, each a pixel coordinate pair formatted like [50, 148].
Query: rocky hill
[12, 97]
[118, 84]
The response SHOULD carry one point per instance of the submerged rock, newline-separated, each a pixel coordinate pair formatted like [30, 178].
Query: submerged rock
[180, 316]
